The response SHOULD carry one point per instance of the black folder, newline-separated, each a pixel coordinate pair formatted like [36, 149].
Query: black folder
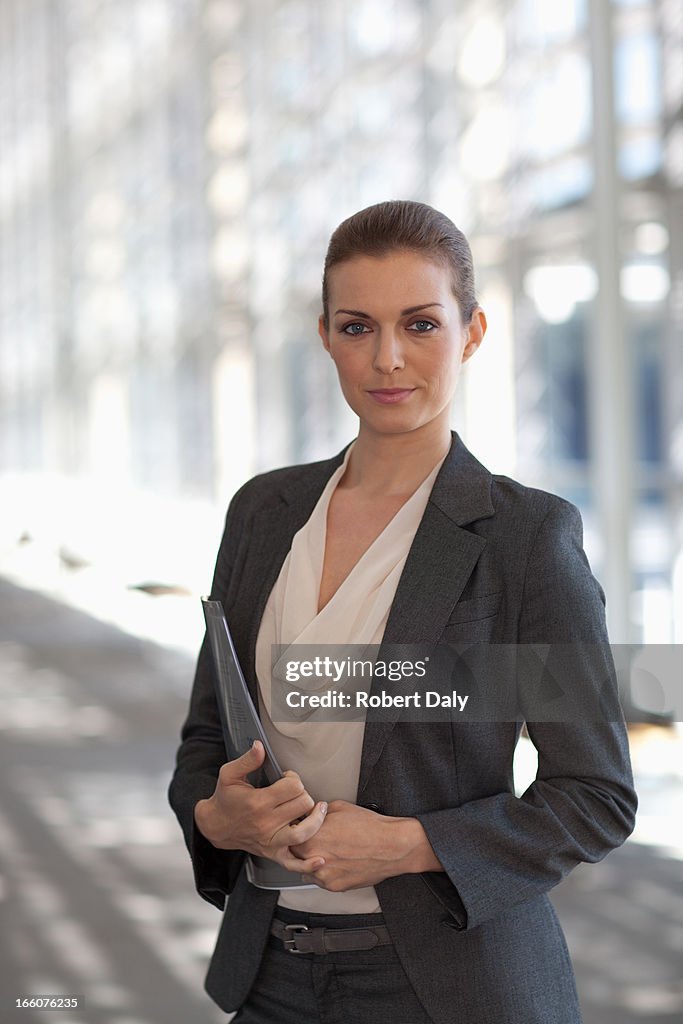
[241, 726]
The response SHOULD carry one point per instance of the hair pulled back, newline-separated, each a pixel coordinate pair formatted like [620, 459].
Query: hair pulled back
[402, 224]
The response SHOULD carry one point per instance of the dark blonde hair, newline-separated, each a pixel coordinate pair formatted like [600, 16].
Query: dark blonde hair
[401, 224]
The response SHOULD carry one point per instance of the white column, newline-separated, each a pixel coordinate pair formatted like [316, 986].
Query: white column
[610, 373]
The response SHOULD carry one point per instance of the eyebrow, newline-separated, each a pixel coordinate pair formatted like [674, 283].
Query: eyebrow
[404, 312]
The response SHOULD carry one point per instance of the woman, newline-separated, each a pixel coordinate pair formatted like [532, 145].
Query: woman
[429, 875]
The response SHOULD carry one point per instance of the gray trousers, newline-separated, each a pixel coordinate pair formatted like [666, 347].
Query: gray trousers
[357, 987]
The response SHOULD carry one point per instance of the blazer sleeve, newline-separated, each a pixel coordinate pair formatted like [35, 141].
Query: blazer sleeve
[503, 849]
[202, 751]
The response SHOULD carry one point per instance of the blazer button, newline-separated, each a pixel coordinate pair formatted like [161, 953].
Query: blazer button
[372, 807]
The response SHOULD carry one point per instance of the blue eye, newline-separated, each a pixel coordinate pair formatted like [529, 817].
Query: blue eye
[427, 323]
[353, 334]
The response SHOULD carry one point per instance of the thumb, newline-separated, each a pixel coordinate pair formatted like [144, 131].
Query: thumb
[243, 765]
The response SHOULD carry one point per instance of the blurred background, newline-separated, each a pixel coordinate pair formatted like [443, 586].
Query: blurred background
[170, 173]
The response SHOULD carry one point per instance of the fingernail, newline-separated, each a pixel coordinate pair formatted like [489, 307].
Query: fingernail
[323, 808]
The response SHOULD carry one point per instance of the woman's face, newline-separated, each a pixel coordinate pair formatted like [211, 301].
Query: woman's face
[397, 339]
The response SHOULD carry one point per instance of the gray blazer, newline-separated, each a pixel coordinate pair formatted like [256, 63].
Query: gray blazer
[492, 561]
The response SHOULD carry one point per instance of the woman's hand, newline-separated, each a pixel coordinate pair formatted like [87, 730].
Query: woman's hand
[360, 847]
[240, 817]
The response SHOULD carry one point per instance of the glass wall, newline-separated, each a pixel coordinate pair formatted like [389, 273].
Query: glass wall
[170, 172]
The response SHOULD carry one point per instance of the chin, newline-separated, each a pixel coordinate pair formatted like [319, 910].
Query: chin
[397, 425]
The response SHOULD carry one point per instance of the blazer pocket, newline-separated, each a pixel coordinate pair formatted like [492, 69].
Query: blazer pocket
[475, 608]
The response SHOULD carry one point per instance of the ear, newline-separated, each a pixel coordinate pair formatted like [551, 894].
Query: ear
[475, 333]
[323, 333]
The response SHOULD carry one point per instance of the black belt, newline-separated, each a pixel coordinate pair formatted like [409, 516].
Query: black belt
[299, 938]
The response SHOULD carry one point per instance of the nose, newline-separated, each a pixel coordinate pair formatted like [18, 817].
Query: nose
[388, 354]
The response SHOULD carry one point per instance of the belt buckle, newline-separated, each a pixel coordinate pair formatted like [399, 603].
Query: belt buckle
[290, 944]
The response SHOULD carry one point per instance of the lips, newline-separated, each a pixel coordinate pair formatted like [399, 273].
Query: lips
[389, 396]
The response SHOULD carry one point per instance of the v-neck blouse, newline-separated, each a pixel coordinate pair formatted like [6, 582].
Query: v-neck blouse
[325, 753]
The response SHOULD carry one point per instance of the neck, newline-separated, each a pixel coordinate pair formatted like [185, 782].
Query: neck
[396, 464]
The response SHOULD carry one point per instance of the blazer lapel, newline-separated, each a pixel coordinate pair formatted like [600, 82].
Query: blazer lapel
[275, 525]
[440, 561]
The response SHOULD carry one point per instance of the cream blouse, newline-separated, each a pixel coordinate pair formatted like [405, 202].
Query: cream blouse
[325, 753]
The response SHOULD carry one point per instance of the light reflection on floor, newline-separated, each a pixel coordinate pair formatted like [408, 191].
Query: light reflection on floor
[114, 824]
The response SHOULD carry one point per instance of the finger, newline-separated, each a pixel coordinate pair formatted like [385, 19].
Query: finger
[283, 811]
[302, 831]
[305, 868]
[289, 787]
[294, 833]
[277, 825]
[237, 770]
[295, 809]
